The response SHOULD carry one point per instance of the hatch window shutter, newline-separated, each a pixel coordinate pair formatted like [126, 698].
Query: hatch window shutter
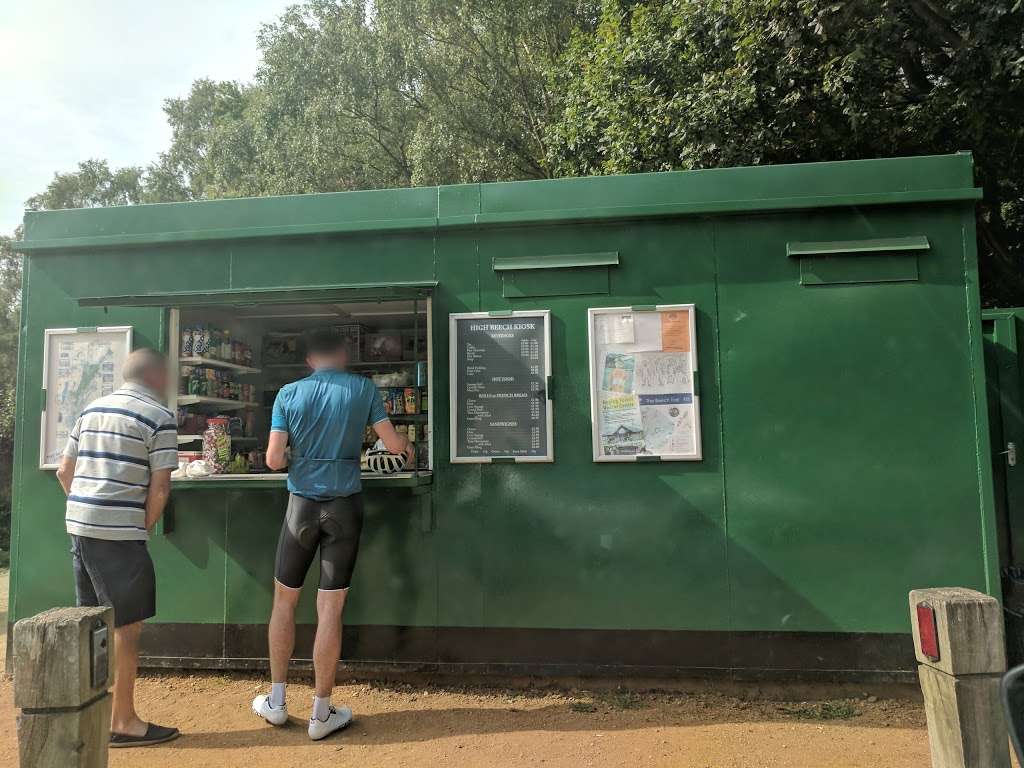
[569, 274]
[880, 260]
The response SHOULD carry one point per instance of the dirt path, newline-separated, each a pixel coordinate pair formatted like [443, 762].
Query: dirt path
[413, 726]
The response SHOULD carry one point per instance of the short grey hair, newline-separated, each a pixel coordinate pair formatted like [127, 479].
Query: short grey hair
[142, 361]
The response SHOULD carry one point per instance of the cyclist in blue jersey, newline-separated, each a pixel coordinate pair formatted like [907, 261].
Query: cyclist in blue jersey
[322, 419]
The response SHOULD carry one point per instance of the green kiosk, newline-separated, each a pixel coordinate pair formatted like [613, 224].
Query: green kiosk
[700, 423]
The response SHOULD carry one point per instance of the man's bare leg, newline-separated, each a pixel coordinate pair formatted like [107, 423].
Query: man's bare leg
[327, 646]
[123, 718]
[281, 644]
[281, 632]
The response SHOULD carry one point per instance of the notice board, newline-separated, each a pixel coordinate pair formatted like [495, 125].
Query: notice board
[79, 365]
[500, 406]
[643, 372]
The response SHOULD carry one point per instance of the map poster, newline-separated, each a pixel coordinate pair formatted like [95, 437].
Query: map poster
[79, 366]
[644, 400]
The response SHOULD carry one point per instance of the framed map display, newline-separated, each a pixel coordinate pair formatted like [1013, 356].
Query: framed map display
[79, 365]
[643, 372]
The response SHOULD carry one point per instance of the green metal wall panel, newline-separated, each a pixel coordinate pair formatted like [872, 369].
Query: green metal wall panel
[849, 428]
[400, 257]
[395, 581]
[154, 269]
[596, 533]
[1005, 377]
[845, 455]
[191, 561]
[41, 573]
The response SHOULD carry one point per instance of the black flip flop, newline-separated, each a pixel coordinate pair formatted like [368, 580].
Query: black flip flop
[155, 734]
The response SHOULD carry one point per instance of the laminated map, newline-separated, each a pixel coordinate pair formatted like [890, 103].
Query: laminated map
[80, 367]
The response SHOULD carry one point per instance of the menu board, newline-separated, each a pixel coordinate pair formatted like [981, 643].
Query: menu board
[644, 403]
[499, 370]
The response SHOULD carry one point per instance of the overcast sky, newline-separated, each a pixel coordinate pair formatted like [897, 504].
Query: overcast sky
[86, 79]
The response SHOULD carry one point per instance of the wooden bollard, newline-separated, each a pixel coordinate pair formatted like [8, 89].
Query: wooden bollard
[958, 640]
[63, 668]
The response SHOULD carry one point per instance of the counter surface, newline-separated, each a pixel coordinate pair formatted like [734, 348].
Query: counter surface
[278, 479]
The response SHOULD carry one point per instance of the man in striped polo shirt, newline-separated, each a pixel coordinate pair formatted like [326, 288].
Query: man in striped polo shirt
[116, 472]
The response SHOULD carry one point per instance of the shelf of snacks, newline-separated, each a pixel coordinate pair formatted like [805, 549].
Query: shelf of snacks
[213, 346]
[220, 402]
[214, 362]
[182, 439]
[404, 401]
[212, 385]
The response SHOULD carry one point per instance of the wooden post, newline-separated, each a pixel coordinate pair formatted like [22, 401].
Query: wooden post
[63, 668]
[958, 641]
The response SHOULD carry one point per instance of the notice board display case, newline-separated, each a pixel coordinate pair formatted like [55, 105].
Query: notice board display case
[643, 394]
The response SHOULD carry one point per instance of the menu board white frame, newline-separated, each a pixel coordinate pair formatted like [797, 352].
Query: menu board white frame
[50, 337]
[453, 352]
[595, 382]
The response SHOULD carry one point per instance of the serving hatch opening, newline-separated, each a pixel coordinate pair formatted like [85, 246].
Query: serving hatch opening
[230, 359]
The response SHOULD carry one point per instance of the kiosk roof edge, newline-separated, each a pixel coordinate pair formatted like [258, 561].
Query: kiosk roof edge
[724, 191]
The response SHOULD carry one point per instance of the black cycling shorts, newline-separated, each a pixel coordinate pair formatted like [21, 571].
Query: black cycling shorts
[333, 526]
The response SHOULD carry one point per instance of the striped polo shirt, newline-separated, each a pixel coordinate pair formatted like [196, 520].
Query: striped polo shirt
[116, 442]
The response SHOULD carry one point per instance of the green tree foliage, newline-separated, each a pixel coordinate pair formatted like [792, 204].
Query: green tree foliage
[10, 314]
[91, 185]
[705, 83]
[354, 95]
[186, 170]
[484, 96]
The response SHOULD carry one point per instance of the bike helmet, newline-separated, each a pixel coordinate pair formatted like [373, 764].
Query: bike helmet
[382, 461]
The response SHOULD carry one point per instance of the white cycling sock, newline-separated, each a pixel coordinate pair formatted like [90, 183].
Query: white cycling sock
[322, 708]
[277, 694]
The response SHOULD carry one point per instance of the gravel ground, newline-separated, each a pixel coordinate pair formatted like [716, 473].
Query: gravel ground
[406, 725]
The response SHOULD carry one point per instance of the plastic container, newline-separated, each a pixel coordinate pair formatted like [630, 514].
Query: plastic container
[217, 444]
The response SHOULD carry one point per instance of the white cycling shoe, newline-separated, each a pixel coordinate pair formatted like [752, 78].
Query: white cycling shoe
[338, 719]
[274, 715]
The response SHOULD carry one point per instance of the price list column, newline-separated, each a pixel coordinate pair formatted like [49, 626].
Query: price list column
[529, 350]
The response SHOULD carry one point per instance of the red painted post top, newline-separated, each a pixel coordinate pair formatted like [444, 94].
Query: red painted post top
[928, 631]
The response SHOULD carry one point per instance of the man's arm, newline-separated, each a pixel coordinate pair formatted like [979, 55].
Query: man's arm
[393, 441]
[163, 459]
[66, 472]
[156, 499]
[68, 459]
[276, 445]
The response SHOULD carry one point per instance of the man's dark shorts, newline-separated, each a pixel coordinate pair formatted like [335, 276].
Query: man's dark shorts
[115, 573]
